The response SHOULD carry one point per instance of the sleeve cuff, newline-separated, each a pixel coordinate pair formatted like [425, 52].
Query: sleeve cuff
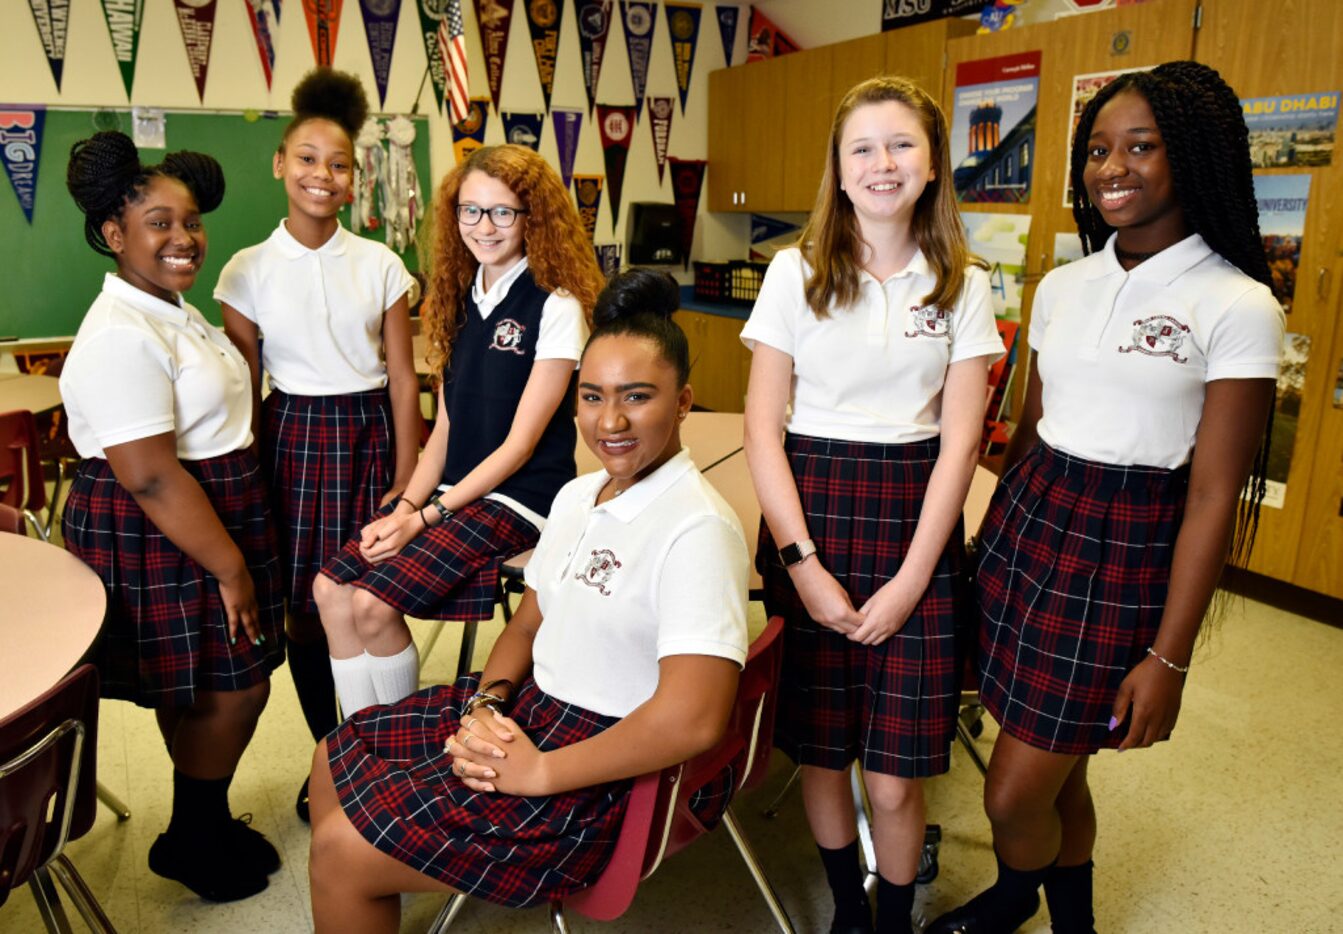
[1244, 369]
[709, 647]
[993, 348]
[134, 432]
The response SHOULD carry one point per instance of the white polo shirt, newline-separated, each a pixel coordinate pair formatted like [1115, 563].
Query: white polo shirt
[319, 311]
[659, 570]
[1124, 356]
[564, 330]
[872, 372]
[141, 366]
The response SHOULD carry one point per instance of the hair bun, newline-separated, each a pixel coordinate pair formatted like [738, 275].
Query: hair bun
[202, 175]
[100, 171]
[334, 95]
[637, 291]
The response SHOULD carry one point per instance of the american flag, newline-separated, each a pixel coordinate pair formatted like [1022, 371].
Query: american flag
[452, 50]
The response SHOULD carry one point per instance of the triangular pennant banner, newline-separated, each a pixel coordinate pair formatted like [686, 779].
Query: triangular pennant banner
[323, 23]
[543, 22]
[687, 179]
[683, 25]
[469, 135]
[764, 39]
[608, 258]
[640, 19]
[660, 110]
[567, 124]
[123, 25]
[431, 13]
[594, 22]
[380, 19]
[767, 228]
[617, 128]
[588, 194]
[52, 18]
[493, 17]
[196, 19]
[523, 129]
[21, 146]
[727, 28]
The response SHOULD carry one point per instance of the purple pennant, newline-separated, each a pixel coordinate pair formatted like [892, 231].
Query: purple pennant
[567, 124]
[21, 146]
[727, 28]
[380, 19]
[640, 21]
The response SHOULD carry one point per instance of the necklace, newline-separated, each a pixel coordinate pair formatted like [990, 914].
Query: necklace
[1134, 257]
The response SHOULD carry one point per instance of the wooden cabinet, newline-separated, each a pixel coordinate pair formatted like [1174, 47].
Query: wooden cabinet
[719, 362]
[746, 137]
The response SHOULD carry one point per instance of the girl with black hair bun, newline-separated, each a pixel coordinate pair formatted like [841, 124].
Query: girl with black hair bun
[1153, 362]
[340, 430]
[640, 575]
[166, 505]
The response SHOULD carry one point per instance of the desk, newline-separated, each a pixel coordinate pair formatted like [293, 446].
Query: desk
[37, 394]
[712, 437]
[42, 638]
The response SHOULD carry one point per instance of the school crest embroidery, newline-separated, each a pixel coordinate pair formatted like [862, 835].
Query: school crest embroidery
[929, 321]
[601, 566]
[508, 336]
[1158, 336]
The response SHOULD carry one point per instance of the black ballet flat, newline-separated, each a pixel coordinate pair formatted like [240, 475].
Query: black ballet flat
[982, 915]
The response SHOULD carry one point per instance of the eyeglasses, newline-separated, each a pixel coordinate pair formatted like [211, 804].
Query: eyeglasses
[500, 215]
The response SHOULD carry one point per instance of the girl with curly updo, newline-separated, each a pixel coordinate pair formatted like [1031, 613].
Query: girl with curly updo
[340, 429]
[511, 286]
[166, 505]
[1147, 411]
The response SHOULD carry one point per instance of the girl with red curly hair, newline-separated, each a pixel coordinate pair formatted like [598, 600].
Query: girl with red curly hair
[512, 283]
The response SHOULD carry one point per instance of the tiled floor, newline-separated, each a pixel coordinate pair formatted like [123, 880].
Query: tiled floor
[1232, 827]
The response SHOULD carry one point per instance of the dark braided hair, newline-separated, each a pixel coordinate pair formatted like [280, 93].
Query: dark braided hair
[1207, 145]
[327, 94]
[641, 302]
[105, 174]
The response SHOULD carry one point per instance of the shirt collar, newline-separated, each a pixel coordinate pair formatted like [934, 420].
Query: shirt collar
[290, 248]
[1164, 268]
[487, 301]
[627, 506]
[917, 266]
[141, 300]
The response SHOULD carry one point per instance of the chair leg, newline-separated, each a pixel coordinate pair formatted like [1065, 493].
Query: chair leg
[448, 914]
[37, 524]
[558, 923]
[85, 901]
[963, 734]
[48, 902]
[773, 810]
[435, 631]
[863, 808]
[468, 649]
[757, 872]
[113, 803]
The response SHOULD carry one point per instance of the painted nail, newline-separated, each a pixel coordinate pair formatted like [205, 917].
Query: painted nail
[261, 638]
[490, 773]
[233, 640]
[256, 641]
[1114, 724]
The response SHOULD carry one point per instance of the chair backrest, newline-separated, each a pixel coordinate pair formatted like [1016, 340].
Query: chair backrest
[11, 520]
[658, 820]
[20, 461]
[48, 796]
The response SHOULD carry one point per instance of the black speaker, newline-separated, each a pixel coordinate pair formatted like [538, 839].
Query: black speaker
[655, 234]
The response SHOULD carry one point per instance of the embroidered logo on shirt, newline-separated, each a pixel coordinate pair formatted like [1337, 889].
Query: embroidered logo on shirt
[508, 336]
[601, 566]
[929, 321]
[1158, 336]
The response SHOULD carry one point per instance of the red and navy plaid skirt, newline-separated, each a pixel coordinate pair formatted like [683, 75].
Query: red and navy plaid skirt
[450, 571]
[891, 706]
[1074, 567]
[397, 787]
[328, 461]
[167, 632]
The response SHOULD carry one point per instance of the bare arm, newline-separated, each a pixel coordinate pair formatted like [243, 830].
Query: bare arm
[766, 401]
[171, 498]
[404, 388]
[1026, 433]
[246, 336]
[1229, 433]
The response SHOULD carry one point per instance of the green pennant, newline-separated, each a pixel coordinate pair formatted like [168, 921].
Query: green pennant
[123, 24]
[431, 14]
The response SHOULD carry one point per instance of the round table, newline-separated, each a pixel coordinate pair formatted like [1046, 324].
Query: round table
[29, 391]
[54, 608]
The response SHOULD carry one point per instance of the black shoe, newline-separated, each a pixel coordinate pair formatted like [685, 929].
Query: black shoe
[252, 846]
[206, 868]
[301, 805]
[982, 915]
[856, 921]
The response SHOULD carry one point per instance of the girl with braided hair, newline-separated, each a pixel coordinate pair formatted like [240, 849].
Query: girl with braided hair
[1151, 390]
[340, 430]
[166, 505]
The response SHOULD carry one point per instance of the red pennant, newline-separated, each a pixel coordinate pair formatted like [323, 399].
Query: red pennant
[687, 177]
[196, 19]
[493, 17]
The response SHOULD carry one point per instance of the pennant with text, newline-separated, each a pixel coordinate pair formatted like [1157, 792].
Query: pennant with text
[617, 129]
[683, 24]
[764, 40]
[687, 179]
[196, 19]
[432, 13]
[588, 194]
[660, 111]
[123, 25]
[897, 13]
[594, 22]
[543, 22]
[640, 20]
[21, 145]
[323, 23]
[767, 228]
[469, 135]
[567, 124]
[493, 18]
[727, 28]
[608, 258]
[52, 18]
[523, 129]
[380, 19]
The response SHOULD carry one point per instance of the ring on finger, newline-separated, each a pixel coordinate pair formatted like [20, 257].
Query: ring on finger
[471, 720]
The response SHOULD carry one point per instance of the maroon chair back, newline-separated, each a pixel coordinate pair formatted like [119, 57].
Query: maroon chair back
[11, 520]
[20, 462]
[48, 752]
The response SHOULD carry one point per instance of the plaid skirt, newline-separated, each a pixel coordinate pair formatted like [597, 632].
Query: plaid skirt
[1074, 567]
[167, 635]
[450, 571]
[891, 706]
[328, 461]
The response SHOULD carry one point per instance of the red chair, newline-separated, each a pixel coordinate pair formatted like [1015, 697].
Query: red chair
[658, 821]
[47, 775]
[21, 467]
[11, 520]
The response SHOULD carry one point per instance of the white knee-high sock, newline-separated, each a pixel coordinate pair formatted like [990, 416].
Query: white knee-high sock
[397, 676]
[354, 684]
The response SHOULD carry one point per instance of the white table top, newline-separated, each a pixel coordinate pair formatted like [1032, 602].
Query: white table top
[37, 394]
[54, 607]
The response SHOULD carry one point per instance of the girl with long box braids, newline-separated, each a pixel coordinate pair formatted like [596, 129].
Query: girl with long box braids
[1147, 411]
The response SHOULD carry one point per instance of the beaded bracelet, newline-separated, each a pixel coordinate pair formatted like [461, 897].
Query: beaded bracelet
[1182, 669]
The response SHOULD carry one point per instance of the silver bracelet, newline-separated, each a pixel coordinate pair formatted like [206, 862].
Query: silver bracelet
[1182, 669]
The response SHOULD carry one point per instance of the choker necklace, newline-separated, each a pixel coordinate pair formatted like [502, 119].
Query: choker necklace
[1135, 257]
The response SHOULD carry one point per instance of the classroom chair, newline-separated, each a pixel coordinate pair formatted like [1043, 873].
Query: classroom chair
[510, 582]
[21, 468]
[11, 520]
[658, 821]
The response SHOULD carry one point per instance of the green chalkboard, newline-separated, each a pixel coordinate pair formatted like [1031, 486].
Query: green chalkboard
[51, 274]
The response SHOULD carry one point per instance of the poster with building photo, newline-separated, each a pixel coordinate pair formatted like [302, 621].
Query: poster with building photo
[1286, 412]
[1000, 240]
[993, 128]
[1085, 87]
[1291, 130]
[1282, 221]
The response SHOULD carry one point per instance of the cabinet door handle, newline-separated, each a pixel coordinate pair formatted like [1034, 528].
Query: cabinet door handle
[1322, 284]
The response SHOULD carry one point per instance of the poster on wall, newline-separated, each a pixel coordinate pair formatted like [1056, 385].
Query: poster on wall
[608, 258]
[123, 25]
[1067, 249]
[380, 19]
[1000, 240]
[683, 30]
[1282, 222]
[687, 177]
[588, 195]
[1085, 87]
[993, 128]
[660, 111]
[323, 18]
[640, 21]
[897, 13]
[493, 18]
[523, 129]
[51, 18]
[469, 135]
[568, 121]
[1292, 130]
[727, 30]
[1286, 414]
[768, 236]
[594, 22]
[543, 22]
[616, 125]
[21, 136]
